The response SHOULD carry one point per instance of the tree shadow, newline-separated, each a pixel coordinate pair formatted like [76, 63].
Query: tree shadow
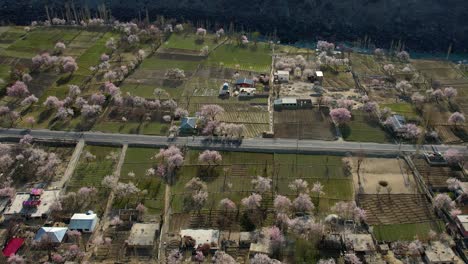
[345, 130]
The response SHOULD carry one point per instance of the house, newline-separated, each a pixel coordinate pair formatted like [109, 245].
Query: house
[318, 75]
[224, 90]
[439, 253]
[188, 125]
[260, 244]
[54, 234]
[361, 243]
[244, 82]
[396, 123]
[246, 238]
[85, 223]
[282, 76]
[202, 236]
[143, 235]
[33, 204]
[247, 91]
[285, 103]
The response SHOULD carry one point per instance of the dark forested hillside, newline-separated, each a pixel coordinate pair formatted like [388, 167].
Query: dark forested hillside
[421, 24]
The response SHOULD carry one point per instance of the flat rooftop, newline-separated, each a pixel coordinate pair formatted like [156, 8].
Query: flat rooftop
[47, 199]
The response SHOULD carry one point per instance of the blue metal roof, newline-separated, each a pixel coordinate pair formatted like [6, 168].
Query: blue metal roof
[245, 80]
[188, 122]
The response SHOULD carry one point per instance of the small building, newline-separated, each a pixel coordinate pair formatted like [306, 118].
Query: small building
[285, 103]
[396, 123]
[188, 125]
[246, 238]
[439, 253]
[244, 82]
[282, 76]
[85, 223]
[261, 244]
[143, 235]
[247, 91]
[224, 90]
[318, 76]
[53, 234]
[32, 204]
[361, 243]
[202, 236]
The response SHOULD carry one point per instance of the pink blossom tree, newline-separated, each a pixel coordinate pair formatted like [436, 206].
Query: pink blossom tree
[351, 258]
[340, 115]
[303, 203]
[403, 86]
[30, 100]
[454, 157]
[69, 65]
[210, 157]
[438, 95]
[195, 184]
[221, 257]
[403, 56]
[418, 99]
[174, 257]
[60, 47]
[262, 259]
[261, 184]
[282, 204]
[450, 92]
[370, 107]
[345, 103]
[170, 160]
[443, 202]
[209, 112]
[411, 131]
[276, 238]
[456, 118]
[18, 89]
[318, 188]
[299, 186]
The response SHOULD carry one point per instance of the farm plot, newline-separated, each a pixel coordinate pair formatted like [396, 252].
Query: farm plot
[303, 124]
[437, 70]
[8, 35]
[403, 108]
[340, 81]
[232, 178]
[90, 172]
[251, 58]
[363, 128]
[39, 40]
[375, 171]
[435, 177]
[189, 42]
[364, 64]
[137, 161]
[386, 209]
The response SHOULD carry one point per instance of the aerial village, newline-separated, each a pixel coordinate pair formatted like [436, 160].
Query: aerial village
[172, 142]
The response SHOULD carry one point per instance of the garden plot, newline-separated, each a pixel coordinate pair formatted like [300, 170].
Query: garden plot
[137, 161]
[364, 128]
[91, 172]
[435, 177]
[82, 42]
[338, 81]
[297, 89]
[39, 40]
[374, 172]
[437, 70]
[364, 64]
[250, 58]
[187, 42]
[403, 108]
[8, 35]
[303, 124]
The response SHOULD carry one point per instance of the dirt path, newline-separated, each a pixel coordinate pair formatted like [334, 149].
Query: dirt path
[165, 226]
[70, 168]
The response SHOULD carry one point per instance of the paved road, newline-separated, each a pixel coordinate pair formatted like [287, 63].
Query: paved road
[257, 144]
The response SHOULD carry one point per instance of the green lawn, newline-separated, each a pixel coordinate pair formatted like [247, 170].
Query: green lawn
[403, 108]
[362, 128]
[151, 128]
[92, 55]
[189, 42]
[406, 231]
[248, 58]
[138, 160]
[40, 39]
[155, 63]
[91, 173]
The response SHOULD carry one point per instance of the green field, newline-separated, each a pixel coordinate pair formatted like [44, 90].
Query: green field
[249, 58]
[363, 129]
[91, 173]
[238, 169]
[138, 160]
[189, 42]
[147, 128]
[405, 109]
[406, 232]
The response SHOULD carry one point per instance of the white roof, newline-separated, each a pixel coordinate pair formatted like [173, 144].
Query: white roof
[462, 218]
[282, 72]
[47, 199]
[201, 236]
[143, 234]
[79, 216]
[55, 234]
[319, 73]
[440, 253]
[83, 221]
[289, 100]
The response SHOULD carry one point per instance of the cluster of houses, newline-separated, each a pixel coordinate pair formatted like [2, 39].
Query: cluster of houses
[245, 88]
